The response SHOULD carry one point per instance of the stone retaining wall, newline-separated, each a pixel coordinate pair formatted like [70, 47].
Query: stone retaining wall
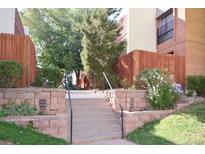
[134, 120]
[53, 98]
[51, 102]
[55, 125]
[131, 100]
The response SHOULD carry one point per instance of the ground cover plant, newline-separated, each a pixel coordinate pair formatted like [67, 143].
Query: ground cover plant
[184, 127]
[16, 134]
[13, 109]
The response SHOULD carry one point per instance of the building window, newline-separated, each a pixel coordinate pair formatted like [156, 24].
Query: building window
[165, 28]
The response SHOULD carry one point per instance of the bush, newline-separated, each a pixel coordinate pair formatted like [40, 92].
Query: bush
[10, 72]
[160, 97]
[24, 109]
[197, 84]
[48, 76]
[138, 83]
[160, 93]
[124, 84]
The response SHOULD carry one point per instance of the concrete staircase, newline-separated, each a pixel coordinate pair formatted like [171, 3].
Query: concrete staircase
[93, 119]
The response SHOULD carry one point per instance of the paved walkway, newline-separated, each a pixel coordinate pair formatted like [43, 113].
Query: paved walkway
[83, 94]
[113, 142]
[84, 97]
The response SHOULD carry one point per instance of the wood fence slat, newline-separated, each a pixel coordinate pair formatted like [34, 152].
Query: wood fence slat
[174, 64]
[21, 49]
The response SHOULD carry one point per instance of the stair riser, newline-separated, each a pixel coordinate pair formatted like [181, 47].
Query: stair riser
[96, 127]
[90, 115]
[96, 135]
[103, 120]
[86, 141]
[89, 107]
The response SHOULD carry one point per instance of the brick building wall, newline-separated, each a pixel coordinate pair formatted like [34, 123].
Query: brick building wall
[195, 41]
[177, 43]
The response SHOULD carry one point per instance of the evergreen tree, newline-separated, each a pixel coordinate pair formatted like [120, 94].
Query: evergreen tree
[100, 49]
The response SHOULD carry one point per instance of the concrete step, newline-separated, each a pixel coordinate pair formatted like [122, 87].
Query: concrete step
[85, 106]
[86, 94]
[92, 114]
[96, 125]
[93, 120]
[88, 100]
[101, 119]
[108, 128]
[87, 140]
[96, 134]
[93, 111]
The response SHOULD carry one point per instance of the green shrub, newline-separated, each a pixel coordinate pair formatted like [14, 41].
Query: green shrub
[24, 109]
[10, 72]
[138, 83]
[113, 79]
[197, 84]
[124, 84]
[160, 93]
[160, 97]
[190, 92]
[175, 96]
[48, 76]
[132, 87]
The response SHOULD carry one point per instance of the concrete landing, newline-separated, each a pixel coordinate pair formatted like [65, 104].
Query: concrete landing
[86, 94]
[113, 142]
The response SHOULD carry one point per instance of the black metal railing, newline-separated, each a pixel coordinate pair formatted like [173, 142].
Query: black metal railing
[71, 114]
[118, 102]
[165, 32]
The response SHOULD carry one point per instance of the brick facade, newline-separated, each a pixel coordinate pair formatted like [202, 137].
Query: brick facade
[195, 41]
[188, 40]
[177, 43]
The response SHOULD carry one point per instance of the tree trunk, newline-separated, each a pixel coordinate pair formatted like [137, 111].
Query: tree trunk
[77, 74]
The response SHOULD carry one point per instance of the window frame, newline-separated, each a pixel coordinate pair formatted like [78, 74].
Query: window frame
[168, 26]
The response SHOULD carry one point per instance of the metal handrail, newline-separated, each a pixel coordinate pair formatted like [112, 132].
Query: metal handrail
[118, 102]
[71, 115]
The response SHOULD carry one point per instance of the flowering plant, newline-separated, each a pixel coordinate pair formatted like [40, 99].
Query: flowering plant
[158, 84]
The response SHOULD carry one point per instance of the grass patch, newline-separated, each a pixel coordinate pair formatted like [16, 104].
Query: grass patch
[26, 136]
[185, 127]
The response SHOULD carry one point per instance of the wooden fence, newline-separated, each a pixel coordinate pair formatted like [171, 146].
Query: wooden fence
[128, 66]
[21, 49]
